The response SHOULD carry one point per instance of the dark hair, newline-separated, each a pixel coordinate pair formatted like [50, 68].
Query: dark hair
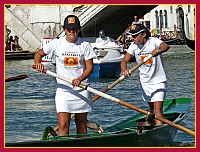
[80, 34]
[148, 34]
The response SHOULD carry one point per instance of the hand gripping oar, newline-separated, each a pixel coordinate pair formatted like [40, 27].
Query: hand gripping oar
[122, 77]
[106, 96]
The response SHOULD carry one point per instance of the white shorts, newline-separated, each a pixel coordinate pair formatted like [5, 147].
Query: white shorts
[153, 92]
[68, 102]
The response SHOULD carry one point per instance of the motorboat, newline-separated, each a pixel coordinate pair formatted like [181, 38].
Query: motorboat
[108, 59]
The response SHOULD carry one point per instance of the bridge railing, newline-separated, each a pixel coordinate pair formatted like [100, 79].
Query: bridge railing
[86, 13]
[89, 12]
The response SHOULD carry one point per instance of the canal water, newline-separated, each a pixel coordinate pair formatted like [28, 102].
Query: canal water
[30, 103]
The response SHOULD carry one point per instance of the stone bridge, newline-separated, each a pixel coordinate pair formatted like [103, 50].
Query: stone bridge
[32, 23]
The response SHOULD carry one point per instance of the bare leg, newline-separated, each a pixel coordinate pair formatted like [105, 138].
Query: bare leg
[64, 123]
[156, 107]
[11, 46]
[81, 123]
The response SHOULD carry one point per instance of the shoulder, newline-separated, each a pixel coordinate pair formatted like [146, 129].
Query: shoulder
[133, 45]
[98, 38]
[54, 44]
[57, 40]
[85, 45]
[132, 48]
[155, 39]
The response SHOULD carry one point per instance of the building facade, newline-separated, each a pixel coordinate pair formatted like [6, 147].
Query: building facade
[172, 21]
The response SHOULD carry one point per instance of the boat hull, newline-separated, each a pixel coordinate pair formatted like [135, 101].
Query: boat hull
[190, 43]
[25, 55]
[160, 136]
[106, 70]
[123, 134]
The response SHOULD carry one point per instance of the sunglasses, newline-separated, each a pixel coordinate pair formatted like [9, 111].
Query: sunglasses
[72, 29]
[134, 36]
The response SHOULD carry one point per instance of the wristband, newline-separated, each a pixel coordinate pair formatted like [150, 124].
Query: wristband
[158, 50]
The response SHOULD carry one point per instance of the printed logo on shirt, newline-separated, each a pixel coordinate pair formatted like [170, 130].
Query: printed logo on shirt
[71, 61]
[142, 57]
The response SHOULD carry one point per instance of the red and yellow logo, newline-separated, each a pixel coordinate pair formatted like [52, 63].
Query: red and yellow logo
[71, 20]
[71, 61]
[142, 57]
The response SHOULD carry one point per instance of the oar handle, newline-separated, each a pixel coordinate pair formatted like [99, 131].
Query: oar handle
[43, 71]
[142, 62]
[97, 97]
[83, 86]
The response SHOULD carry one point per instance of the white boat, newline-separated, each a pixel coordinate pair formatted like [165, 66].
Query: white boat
[46, 59]
[13, 80]
[109, 57]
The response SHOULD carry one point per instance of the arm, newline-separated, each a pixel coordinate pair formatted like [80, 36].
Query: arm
[124, 63]
[86, 73]
[37, 59]
[161, 49]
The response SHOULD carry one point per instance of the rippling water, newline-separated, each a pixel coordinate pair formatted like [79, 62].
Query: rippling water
[30, 104]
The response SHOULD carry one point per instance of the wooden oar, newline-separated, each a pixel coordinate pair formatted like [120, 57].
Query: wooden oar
[122, 78]
[12, 80]
[119, 79]
[121, 102]
[55, 129]
[15, 78]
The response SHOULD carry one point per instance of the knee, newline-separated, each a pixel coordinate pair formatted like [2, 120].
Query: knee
[63, 125]
[80, 123]
[81, 119]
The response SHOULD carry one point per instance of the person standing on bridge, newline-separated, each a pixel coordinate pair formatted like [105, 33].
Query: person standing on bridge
[136, 20]
[74, 59]
[152, 75]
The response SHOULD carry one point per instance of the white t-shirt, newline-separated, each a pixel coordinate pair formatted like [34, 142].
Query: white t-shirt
[152, 71]
[70, 60]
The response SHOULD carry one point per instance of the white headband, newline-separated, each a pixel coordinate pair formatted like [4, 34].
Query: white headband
[136, 32]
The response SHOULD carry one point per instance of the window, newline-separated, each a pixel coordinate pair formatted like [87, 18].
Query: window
[189, 8]
[165, 18]
[161, 19]
[157, 19]
[171, 9]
